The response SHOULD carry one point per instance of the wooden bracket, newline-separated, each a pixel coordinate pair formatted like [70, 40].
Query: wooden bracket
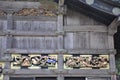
[112, 28]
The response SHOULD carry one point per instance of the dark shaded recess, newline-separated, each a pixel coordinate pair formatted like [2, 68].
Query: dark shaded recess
[74, 78]
[46, 78]
[96, 14]
[117, 42]
[20, 78]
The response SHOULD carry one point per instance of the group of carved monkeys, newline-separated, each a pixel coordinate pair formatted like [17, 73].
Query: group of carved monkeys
[86, 62]
[27, 61]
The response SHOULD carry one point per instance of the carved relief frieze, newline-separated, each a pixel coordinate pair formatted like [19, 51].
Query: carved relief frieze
[2, 13]
[1, 70]
[34, 61]
[86, 62]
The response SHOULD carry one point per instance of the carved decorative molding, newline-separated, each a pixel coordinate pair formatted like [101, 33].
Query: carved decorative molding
[86, 61]
[34, 61]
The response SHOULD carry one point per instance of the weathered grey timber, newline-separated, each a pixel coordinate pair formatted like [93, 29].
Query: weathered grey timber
[70, 33]
[18, 5]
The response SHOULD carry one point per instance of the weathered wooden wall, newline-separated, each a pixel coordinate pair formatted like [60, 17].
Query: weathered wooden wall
[39, 26]
[79, 32]
[84, 32]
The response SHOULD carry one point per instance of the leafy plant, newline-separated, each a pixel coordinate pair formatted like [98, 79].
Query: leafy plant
[118, 65]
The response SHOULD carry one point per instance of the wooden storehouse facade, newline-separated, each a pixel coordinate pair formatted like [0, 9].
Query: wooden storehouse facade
[60, 45]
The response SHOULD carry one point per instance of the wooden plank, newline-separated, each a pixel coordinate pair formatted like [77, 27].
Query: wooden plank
[112, 64]
[31, 51]
[38, 26]
[68, 41]
[110, 42]
[2, 33]
[72, 51]
[31, 33]
[43, 42]
[91, 51]
[94, 28]
[35, 18]
[18, 5]
[88, 72]
[76, 72]
[9, 21]
[98, 40]
[75, 19]
[77, 40]
[3, 25]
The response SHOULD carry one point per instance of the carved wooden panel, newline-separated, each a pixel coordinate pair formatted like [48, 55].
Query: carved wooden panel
[2, 64]
[34, 61]
[78, 61]
[35, 42]
[35, 26]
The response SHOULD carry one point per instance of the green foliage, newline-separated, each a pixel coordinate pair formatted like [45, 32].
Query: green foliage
[118, 65]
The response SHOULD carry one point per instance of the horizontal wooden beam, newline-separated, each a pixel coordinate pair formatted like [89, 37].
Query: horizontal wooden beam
[30, 51]
[2, 33]
[94, 28]
[92, 51]
[63, 51]
[30, 33]
[36, 18]
[29, 18]
[75, 72]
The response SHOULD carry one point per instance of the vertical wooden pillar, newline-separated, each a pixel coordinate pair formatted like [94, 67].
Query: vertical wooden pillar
[9, 21]
[60, 40]
[60, 77]
[6, 77]
[9, 37]
[112, 67]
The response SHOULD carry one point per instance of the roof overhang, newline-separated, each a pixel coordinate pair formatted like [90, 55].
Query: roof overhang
[104, 11]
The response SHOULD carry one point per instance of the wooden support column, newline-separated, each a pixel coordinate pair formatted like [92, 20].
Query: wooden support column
[6, 77]
[112, 66]
[60, 77]
[60, 40]
[9, 37]
[9, 20]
